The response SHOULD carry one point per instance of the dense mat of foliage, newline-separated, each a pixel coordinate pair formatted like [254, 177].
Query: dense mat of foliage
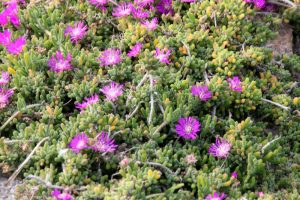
[186, 105]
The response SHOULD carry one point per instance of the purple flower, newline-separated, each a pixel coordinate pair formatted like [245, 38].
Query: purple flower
[220, 149]
[165, 7]
[110, 57]
[234, 175]
[163, 55]
[98, 3]
[259, 3]
[79, 142]
[76, 32]
[10, 13]
[216, 196]
[202, 92]
[143, 3]
[122, 10]
[4, 97]
[188, 128]
[4, 78]
[112, 91]
[248, 1]
[87, 101]
[5, 37]
[16, 47]
[139, 13]
[135, 50]
[61, 196]
[59, 64]
[235, 84]
[104, 144]
[150, 24]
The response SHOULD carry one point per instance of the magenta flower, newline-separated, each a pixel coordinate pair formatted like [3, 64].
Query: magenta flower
[59, 63]
[122, 10]
[220, 149]
[165, 7]
[202, 92]
[248, 1]
[14, 1]
[4, 97]
[98, 3]
[76, 32]
[4, 78]
[10, 13]
[135, 50]
[5, 37]
[188, 128]
[234, 175]
[139, 13]
[16, 47]
[143, 3]
[150, 24]
[104, 144]
[260, 3]
[112, 91]
[79, 142]
[216, 196]
[110, 57]
[61, 196]
[235, 84]
[163, 55]
[87, 101]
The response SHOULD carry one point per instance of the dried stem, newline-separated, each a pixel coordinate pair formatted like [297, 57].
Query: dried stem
[151, 100]
[294, 85]
[187, 48]
[133, 112]
[158, 165]
[15, 174]
[160, 127]
[45, 183]
[276, 104]
[283, 3]
[269, 143]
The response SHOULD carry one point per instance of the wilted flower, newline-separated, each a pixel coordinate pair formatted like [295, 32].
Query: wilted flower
[104, 144]
[188, 127]
[220, 149]
[202, 92]
[4, 78]
[235, 84]
[112, 91]
[76, 32]
[4, 97]
[190, 159]
[87, 101]
[139, 13]
[124, 162]
[79, 142]
[16, 47]
[163, 55]
[123, 9]
[5, 37]
[61, 196]
[110, 57]
[59, 64]
[135, 50]
[165, 7]
[216, 196]
[150, 24]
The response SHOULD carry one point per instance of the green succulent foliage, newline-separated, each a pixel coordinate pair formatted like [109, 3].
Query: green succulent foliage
[210, 41]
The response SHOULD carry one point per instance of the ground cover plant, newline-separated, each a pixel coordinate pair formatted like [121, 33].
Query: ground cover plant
[148, 99]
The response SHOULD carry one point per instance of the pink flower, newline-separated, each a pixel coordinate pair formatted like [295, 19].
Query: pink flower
[124, 162]
[202, 92]
[220, 149]
[260, 3]
[87, 101]
[10, 13]
[150, 24]
[122, 10]
[16, 47]
[190, 159]
[110, 57]
[4, 78]
[139, 13]
[104, 144]
[188, 128]
[79, 142]
[135, 50]
[260, 194]
[112, 91]
[5, 37]
[234, 175]
[163, 55]
[60, 64]
[61, 196]
[76, 32]
[165, 7]
[98, 3]
[235, 84]
[216, 196]
[4, 97]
